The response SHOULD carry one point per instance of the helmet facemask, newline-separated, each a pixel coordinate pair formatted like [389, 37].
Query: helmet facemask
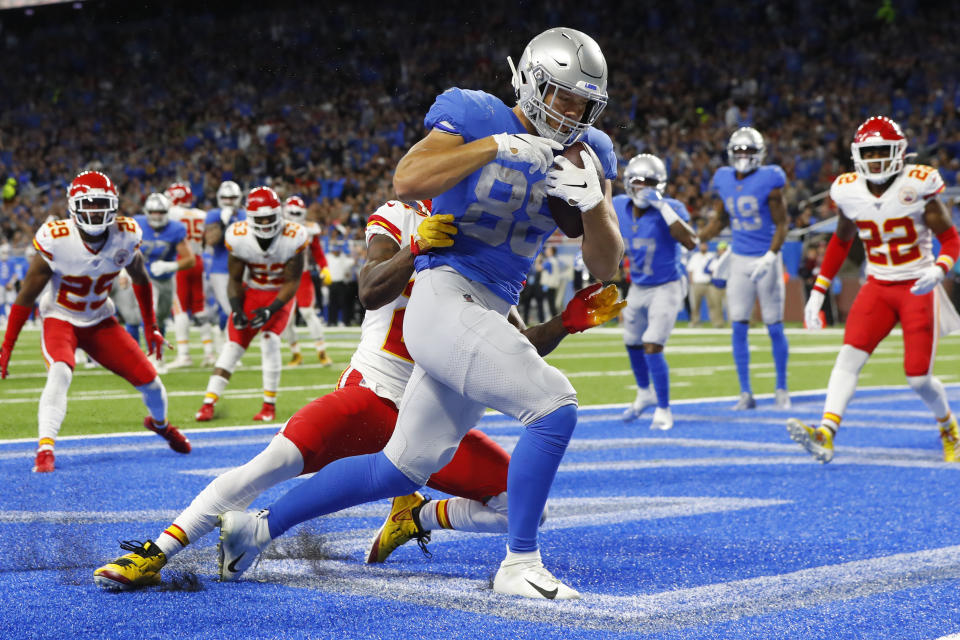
[879, 169]
[94, 213]
[157, 208]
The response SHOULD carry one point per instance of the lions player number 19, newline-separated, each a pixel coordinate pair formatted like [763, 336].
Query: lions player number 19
[745, 216]
[499, 192]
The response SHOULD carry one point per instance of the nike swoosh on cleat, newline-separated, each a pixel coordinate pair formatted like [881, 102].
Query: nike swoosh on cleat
[400, 516]
[232, 567]
[549, 595]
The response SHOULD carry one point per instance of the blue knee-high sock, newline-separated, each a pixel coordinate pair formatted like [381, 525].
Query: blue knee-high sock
[781, 351]
[532, 467]
[660, 373]
[741, 355]
[134, 331]
[639, 365]
[341, 484]
[222, 319]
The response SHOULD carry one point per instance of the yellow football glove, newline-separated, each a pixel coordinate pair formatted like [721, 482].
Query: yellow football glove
[325, 276]
[587, 310]
[433, 232]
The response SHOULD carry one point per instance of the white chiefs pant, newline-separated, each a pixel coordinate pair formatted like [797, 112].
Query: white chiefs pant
[468, 357]
[742, 291]
[651, 312]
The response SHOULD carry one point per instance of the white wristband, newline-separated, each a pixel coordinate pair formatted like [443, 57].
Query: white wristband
[669, 215]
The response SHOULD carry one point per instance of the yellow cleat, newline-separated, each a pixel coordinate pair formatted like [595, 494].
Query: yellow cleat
[817, 441]
[950, 438]
[325, 360]
[402, 524]
[296, 360]
[139, 568]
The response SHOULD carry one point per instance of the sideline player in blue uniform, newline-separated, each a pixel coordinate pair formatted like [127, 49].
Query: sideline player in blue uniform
[227, 212]
[750, 200]
[486, 167]
[163, 240]
[653, 228]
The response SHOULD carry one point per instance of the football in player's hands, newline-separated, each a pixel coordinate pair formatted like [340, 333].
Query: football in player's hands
[568, 217]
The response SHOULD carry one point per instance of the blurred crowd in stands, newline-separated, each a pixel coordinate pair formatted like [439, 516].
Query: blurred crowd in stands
[322, 100]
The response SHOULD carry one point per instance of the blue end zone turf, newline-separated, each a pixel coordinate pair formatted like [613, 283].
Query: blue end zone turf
[720, 528]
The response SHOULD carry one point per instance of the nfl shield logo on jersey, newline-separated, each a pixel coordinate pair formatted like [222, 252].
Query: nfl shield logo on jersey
[908, 195]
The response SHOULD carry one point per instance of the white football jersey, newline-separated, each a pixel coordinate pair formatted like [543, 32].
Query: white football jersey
[265, 267]
[82, 279]
[193, 220]
[898, 244]
[382, 356]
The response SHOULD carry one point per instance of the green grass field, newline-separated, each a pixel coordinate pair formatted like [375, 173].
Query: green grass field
[700, 366]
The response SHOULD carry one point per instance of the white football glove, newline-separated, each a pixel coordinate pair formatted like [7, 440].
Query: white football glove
[811, 312]
[162, 267]
[655, 199]
[225, 214]
[931, 277]
[577, 187]
[524, 147]
[763, 266]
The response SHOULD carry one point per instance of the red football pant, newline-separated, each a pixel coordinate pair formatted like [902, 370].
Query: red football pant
[190, 288]
[107, 343]
[254, 299]
[306, 295]
[876, 310]
[353, 421]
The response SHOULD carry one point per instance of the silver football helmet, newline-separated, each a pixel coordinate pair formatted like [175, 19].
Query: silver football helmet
[645, 171]
[157, 209]
[560, 59]
[229, 195]
[4, 251]
[746, 149]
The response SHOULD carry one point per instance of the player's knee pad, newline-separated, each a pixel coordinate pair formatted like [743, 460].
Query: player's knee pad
[851, 359]
[229, 356]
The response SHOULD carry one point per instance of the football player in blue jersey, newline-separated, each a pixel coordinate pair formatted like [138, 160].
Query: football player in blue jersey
[489, 168]
[653, 228]
[749, 198]
[7, 281]
[227, 212]
[163, 240]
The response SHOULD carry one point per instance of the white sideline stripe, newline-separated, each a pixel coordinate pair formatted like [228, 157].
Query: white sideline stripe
[248, 392]
[494, 419]
[565, 513]
[642, 613]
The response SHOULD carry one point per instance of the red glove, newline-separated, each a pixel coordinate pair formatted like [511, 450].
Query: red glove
[155, 341]
[18, 315]
[587, 310]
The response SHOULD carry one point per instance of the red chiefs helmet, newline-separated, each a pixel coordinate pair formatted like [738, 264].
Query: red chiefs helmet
[179, 194]
[92, 201]
[294, 208]
[264, 212]
[879, 132]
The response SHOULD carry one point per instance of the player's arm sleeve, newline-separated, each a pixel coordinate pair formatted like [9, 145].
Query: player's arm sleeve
[602, 145]
[43, 243]
[448, 113]
[316, 250]
[778, 179]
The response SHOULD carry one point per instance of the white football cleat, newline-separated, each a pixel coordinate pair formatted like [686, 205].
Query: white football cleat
[209, 359]
[746, 401]
[181, 361]
[242, 537]
[781, 398]
[526, 576]
[645, 398]
[662, 419]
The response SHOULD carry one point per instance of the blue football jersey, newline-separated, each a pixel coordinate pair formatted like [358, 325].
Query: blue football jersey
[220, 254]
[500, 209]
[160, 244]
[746, 203]
[655, 257]
[6, 271]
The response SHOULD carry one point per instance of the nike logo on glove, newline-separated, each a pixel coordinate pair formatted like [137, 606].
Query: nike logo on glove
[577, 186]
[232, 567]
[549, 595]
